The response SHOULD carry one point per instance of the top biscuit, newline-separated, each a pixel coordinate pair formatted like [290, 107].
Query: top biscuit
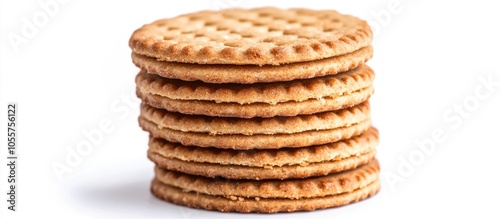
[261, 36]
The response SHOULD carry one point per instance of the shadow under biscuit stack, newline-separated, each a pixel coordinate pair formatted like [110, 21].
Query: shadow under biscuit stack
[258, 110]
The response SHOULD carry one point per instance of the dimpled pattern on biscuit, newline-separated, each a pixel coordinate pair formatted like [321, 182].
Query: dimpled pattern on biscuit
[258, 36]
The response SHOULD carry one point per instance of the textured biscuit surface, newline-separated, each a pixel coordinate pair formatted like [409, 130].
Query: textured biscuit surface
[261, 205]
[273, 125]
[246, 142]
[258, 36]
[272, 93]
[258, 110]
[269, 158]
[248, 74]
[261, 173]
[331, 184]
[291, 108]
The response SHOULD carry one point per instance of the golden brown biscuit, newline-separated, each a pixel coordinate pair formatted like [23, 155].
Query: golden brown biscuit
[332, 184]
[258, 110]
[246, 142]
[273, 125]
[217, 203]
[258, 36]
[264, 110]
[261, 173]
[268, 158]
[249, 74]
[272, 93]
[349, 193]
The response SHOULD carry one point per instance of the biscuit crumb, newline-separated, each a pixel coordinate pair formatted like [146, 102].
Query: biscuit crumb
[304, 164]
[268, 167]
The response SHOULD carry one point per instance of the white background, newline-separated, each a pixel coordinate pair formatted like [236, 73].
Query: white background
[76, 71]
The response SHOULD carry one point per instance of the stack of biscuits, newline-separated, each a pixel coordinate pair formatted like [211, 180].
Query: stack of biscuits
[258, 110]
